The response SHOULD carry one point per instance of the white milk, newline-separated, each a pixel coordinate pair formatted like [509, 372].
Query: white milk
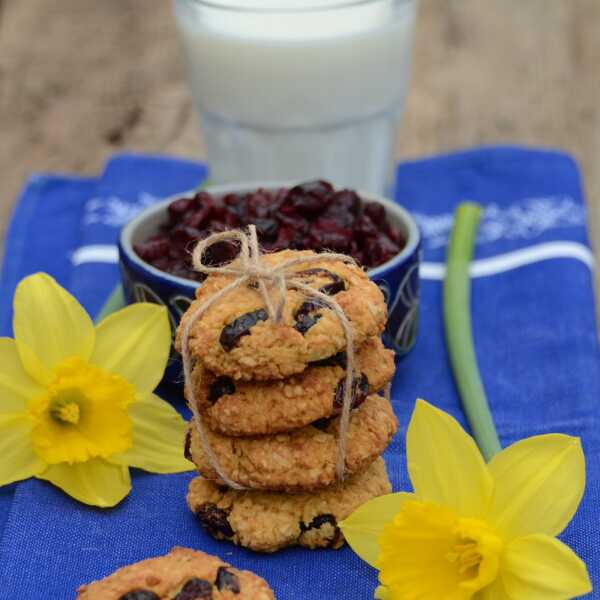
[299, 95]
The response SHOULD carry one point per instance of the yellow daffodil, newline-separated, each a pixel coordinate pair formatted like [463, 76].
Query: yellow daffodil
[471, 529]
[76, 401]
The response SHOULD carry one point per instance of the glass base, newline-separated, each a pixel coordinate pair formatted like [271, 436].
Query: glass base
[357, 155]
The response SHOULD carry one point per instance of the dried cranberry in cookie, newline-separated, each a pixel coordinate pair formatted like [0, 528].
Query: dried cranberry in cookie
[139, 595]
[226, 580]
[196, 589]
[232, 332]
[322, 531]
[214, 520]
[360, 391]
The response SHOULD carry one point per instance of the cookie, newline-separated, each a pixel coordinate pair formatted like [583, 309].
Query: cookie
[260, 408]
[236, 338]
[268, 521]
[303, 459]
[183, 574]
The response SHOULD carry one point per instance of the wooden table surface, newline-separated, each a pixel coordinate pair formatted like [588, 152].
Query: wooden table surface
[81, 79]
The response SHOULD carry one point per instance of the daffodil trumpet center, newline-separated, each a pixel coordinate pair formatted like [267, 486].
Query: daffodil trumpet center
[431, 553]
[82, 414]
[66, 406]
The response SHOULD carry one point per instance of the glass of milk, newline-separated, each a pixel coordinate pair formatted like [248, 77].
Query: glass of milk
[299, 89]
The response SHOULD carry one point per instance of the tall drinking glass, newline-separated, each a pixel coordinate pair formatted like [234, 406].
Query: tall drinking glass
[299, 89]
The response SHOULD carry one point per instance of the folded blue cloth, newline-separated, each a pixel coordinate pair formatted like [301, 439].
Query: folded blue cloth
[534, 327]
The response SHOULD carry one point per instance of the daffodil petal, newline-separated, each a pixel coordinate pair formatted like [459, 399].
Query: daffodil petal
[539, 483]
[158, 438]
[135, 343]
[539, 567]
[363, 528]
[49, 325]
[444, 463]
[19, 461]
[16, 386]
[95, 482]
[495, 591]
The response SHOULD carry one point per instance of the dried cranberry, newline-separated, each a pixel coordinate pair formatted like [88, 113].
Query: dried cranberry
[318, 522]
[162, 262]
[304, 322]
[337, 360]
[321, 424]
[231, 200]
[196, 589]
[348, 200]
[333, 288]
[337, 285]
[364, 228]
[395, 235]
[232, 219]
[220, 253]
[187, 449]
[202, 214]
[179, 207]
[309, 199]
[183, 234]
[267, 229]
[375, 212]
[336, 239]
[214, 520]
[139, 595]
[299, 224]
[360, 391]
[231, 334]
[226, 580]
[339, 215]
[379, 250]
[221, 386]
[259, 204]
[151, 250]
[203, 199]
[308, 216]
[286, 237]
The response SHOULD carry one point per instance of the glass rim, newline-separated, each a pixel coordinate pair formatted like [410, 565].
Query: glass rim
[282, 10]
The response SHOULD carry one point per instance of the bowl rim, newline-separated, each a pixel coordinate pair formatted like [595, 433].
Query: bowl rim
[126, 246]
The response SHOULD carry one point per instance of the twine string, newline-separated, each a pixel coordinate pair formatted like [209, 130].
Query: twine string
[248, 267]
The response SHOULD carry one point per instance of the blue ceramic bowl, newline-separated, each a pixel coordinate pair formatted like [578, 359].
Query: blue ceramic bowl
[398, 278]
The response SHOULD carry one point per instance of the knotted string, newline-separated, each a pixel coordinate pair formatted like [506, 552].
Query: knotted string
[249, 267]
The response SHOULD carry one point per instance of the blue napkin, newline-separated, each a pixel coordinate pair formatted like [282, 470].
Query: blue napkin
[535, 334]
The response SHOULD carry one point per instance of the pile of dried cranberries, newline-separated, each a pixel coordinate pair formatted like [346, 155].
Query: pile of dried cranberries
[310, 216]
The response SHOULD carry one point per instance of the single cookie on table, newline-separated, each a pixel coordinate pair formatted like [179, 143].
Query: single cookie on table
[236, 338]
[268, 521]
[300, 460]
[183, 574]
[260, 408]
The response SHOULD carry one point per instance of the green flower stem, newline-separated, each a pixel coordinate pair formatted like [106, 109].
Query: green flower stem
[459, 335]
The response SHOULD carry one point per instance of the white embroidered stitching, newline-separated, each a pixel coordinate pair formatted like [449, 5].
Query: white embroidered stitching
[525, 219]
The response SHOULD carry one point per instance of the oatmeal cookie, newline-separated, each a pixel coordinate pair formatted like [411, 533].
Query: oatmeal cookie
[303, 459]
[268, 521]
[240, 408]
[236, 338]
[183, 574]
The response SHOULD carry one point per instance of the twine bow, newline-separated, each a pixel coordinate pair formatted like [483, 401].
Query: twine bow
[249, 267]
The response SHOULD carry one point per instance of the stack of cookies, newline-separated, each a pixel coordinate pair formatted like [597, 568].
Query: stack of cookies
[270, 396]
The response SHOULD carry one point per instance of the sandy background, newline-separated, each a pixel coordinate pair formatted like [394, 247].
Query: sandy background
[80, 79]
